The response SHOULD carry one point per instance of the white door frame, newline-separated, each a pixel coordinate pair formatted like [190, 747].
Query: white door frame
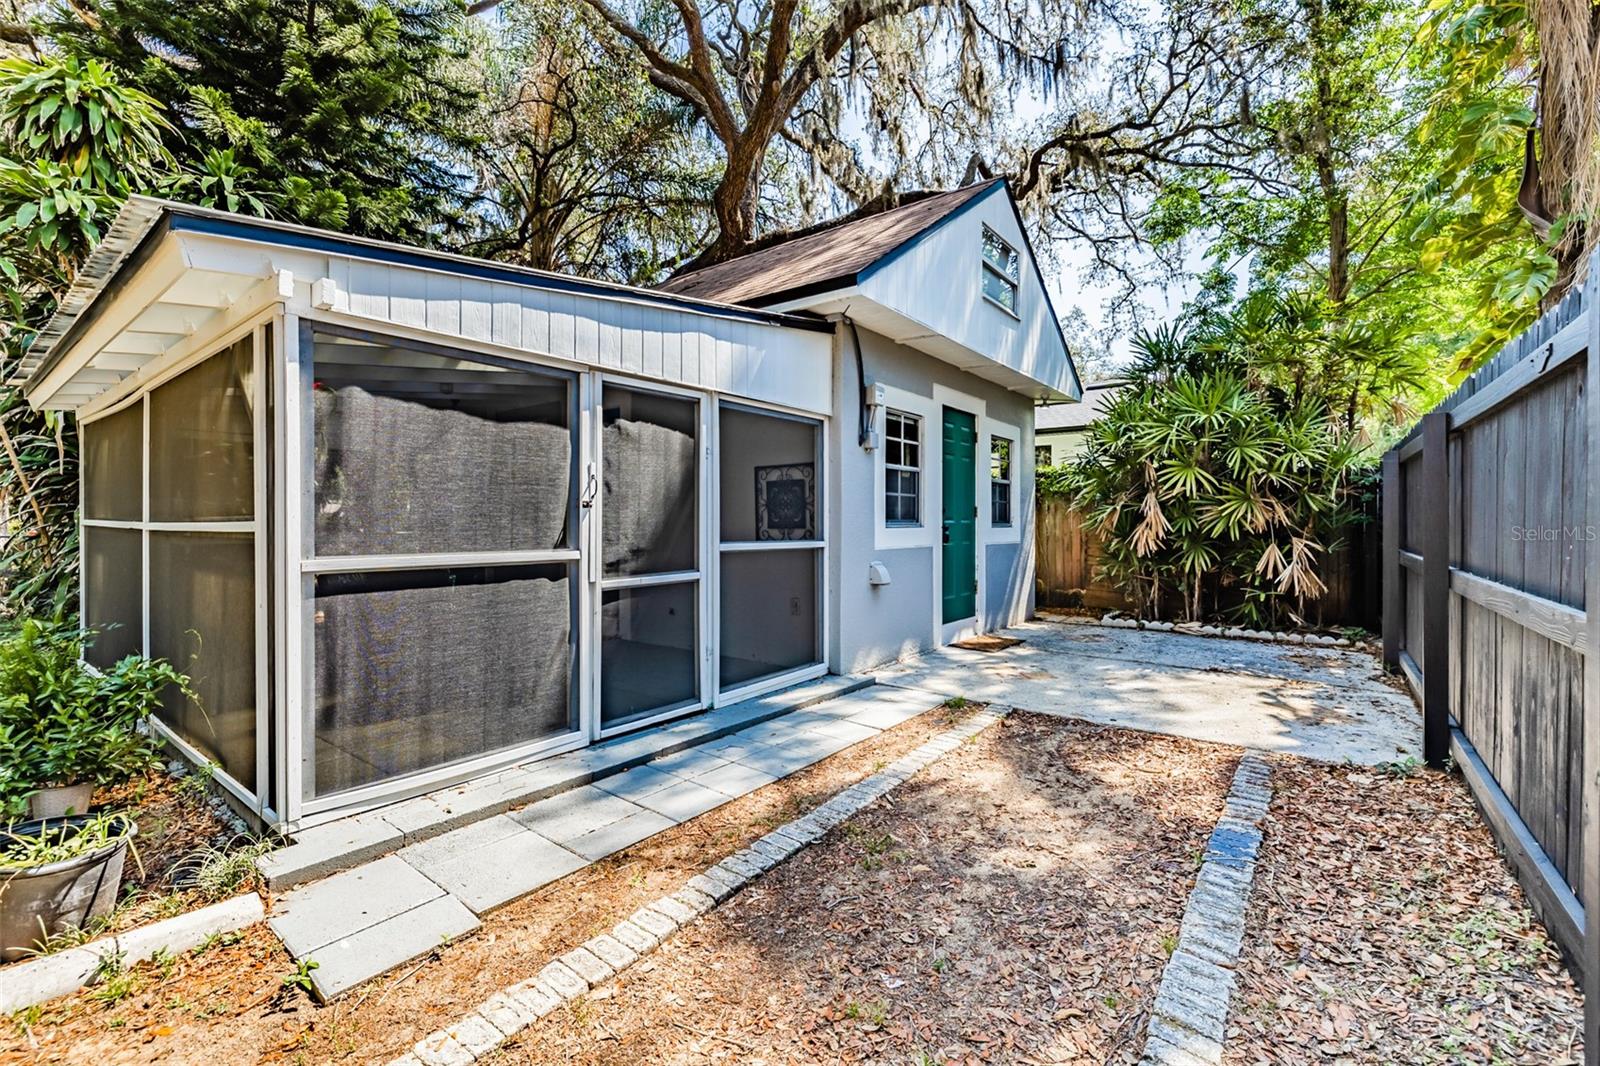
[598, 583]
[962, 628]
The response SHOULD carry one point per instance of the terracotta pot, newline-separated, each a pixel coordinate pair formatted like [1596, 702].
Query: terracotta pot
[39, 901]
[58, 801]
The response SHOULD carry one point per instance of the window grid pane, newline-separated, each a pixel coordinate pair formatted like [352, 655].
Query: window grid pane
[113, 465]
[1000, 481]
[902, 474]
[202, 440]
[419, 669]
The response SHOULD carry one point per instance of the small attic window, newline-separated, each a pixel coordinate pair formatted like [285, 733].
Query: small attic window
[1000, 271]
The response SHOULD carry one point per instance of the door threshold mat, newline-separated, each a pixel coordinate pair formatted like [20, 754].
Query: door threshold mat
[987, 643]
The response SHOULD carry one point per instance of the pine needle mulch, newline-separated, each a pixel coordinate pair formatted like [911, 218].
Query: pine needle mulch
[1014, 903]
[1385, 928]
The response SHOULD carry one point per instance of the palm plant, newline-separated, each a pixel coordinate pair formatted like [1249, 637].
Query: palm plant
[1222, 478]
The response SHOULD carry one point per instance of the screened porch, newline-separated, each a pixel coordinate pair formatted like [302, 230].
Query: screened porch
[387, 564]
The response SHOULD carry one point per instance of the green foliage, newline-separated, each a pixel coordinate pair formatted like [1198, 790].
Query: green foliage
[64, 723]
[1222, 476]
[74, 142]
[1371, 184]
[343, 113]
[585, 166]
[60, 842]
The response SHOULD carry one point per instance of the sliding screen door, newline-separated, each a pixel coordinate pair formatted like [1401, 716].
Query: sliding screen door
[650, 584]
[771, 545]
[444, 563]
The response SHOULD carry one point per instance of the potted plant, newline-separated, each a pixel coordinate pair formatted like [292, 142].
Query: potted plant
[58, 874]
[66, 727]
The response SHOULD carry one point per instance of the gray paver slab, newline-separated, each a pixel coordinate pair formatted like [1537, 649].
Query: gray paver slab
[851, 732]
[609, 839]
[308, 918]
[441, 849]
[503, 869]
[735, 779]
[780, 763]
[325, 848]
[361, 956]
[632, 784]
[684, 800]
[572, 814]
[691, 762]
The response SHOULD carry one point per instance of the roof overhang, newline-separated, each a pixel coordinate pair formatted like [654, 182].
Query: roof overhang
[868, 313]
[167, 275]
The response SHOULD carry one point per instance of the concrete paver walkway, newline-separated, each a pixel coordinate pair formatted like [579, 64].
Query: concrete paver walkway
[364, 921]
[1322, 703]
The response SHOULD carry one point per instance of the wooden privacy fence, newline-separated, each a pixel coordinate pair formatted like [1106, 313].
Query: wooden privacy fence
[1068, 552]
[1490, 579]
[1066, 555]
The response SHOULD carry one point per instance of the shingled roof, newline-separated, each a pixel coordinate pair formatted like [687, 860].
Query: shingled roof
[828, 257]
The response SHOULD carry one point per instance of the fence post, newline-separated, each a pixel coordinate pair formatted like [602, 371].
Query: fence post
[1392, 577]
[1589, 877]
[1435, 549]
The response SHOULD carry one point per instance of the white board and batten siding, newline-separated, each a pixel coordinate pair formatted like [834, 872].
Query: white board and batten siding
[740, 358]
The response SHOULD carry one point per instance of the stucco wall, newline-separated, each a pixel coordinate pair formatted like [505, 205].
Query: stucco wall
[873, 625]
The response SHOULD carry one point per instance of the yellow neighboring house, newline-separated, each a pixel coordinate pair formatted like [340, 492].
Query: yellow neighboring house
[1060, 428]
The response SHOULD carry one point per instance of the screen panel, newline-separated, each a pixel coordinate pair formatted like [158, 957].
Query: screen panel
[418, 669]
[419, 453]
[651, 479]
[768, 476]
[113, 581]
[113, 465]
[648, 642]
[769, 613]
[202, 441]
[203, 621]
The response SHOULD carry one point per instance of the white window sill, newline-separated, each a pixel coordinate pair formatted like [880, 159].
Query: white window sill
[992, 302]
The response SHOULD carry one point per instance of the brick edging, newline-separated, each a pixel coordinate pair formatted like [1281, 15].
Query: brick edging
[602, 957]
[1188, 1020]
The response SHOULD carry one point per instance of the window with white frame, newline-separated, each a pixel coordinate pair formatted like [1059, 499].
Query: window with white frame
[902, 469]
[1000, 481]
[1041, 455]
[1001, 271]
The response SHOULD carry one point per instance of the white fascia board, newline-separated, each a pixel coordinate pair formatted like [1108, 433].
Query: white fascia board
[155, 277]
[832, 302]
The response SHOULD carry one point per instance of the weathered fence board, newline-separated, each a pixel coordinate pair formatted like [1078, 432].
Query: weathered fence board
[1067, 555]
[1494, 506]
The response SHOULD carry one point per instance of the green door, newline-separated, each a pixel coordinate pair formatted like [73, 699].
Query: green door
[960, 560]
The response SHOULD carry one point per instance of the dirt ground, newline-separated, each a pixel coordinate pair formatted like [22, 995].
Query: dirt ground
[1014, 903]
[228, 1002]
[1384, 928]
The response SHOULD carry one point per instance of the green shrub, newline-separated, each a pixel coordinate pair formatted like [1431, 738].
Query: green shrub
[1222, 477]
[63, 722]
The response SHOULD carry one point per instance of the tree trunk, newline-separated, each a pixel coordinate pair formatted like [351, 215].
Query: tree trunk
[735, 201]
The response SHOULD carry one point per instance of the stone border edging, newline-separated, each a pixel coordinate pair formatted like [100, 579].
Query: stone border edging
[1188, 1020]
[1194, 629]
[602, 957]
[24, 984]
